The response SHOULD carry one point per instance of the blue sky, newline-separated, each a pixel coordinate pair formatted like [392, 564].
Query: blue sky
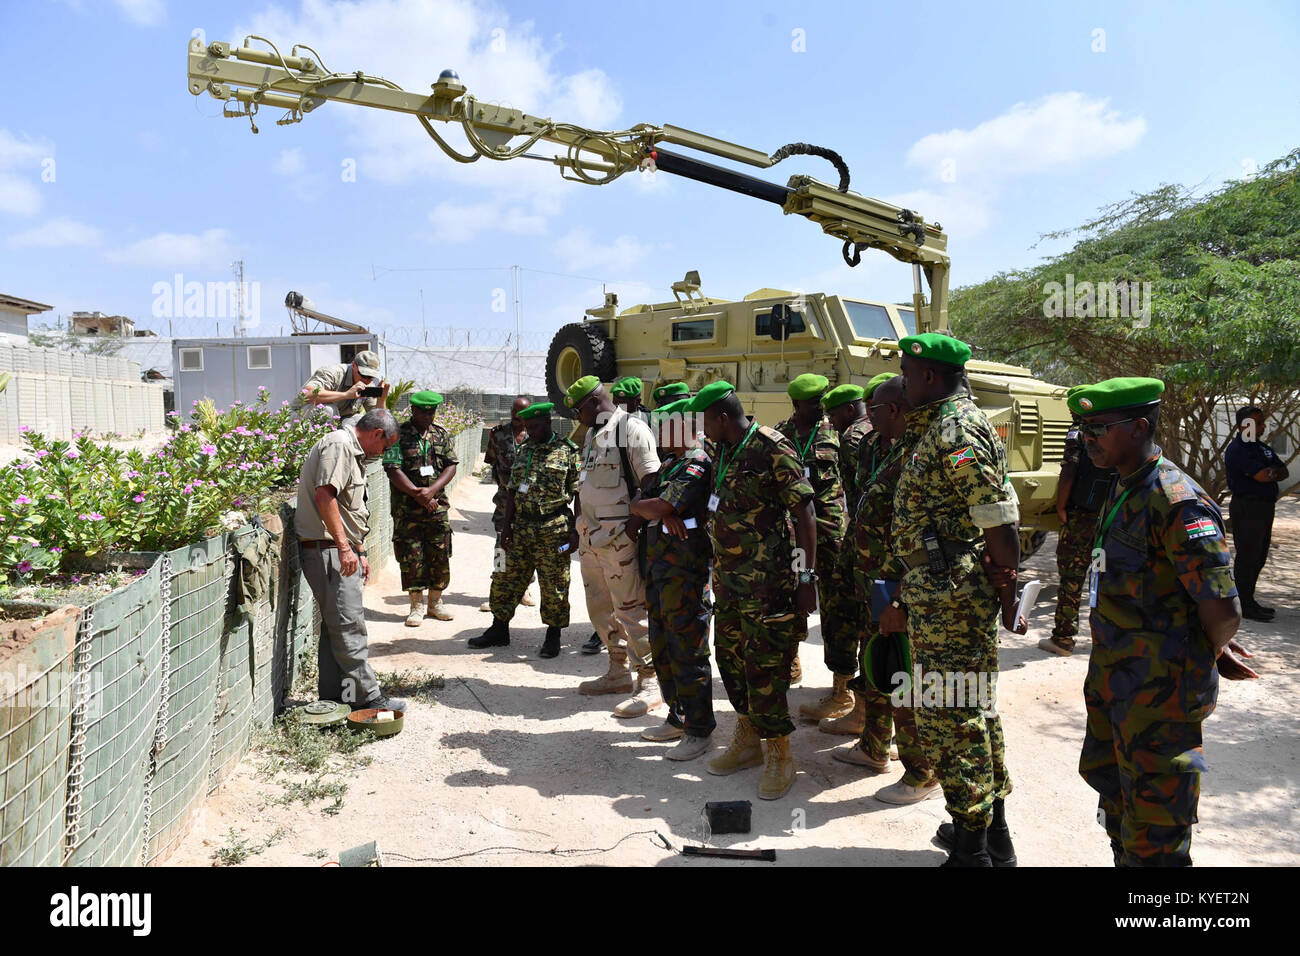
[1037, 125]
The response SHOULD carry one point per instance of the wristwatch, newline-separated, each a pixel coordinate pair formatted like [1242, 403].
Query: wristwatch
[807, 577]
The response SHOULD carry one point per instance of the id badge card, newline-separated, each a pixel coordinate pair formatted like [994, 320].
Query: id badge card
[713, 501]
[807, 472]
[582, 475]
[426, 471]
[691, 524]
[1094, 578]
[523, 487]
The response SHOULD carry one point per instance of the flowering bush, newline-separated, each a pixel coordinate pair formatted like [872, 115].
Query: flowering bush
[79, 498]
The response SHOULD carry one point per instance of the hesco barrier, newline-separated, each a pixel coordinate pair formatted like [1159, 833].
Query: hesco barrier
[118, 721]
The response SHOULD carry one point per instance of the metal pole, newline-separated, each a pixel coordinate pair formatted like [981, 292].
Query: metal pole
[518, 369]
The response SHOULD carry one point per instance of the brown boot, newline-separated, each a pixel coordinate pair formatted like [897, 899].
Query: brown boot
[837, 703]
[849, 724]
[437, 610]
[616, 680]
[744, 751]
[416, 614]
[778, 774]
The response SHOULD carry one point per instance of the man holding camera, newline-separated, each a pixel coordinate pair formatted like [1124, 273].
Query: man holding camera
[352, 388]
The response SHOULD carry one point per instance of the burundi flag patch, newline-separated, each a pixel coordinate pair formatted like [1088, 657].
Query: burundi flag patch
[1201, 528]
[962, 457]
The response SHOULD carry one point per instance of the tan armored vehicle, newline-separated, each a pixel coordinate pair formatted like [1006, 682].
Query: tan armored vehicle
[758, 343]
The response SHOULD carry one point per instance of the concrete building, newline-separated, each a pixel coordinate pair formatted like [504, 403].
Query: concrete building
[13, 317]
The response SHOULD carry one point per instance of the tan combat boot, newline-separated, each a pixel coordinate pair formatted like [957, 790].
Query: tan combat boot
[648, 696]
[837, 703]
[849, 724]
[778, 774]
[744, 751]
[437, 610]
[616, 680]
[416, 614]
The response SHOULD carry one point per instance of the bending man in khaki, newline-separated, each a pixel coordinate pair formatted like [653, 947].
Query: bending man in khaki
[618, 456]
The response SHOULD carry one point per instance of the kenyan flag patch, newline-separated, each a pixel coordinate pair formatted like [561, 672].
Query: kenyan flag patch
[962, 457]
[1201, 528]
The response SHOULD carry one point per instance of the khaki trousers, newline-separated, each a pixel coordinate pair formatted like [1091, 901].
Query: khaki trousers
[616, 599]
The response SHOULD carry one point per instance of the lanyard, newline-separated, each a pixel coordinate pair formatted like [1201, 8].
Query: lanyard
[803, 452]
[673, 470]
[528, 462]
[727, 460]
[875, 470]
[1105, 525]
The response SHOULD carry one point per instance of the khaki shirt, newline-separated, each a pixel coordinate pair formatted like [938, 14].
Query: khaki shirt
[338, 461]
[604, 505]
[337, 378]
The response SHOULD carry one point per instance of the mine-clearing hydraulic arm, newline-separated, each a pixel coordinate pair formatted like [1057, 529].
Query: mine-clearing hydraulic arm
[248, 77]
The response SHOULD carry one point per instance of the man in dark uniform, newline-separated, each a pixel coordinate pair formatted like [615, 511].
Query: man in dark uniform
[1164, 612]
[763, 595]
[1080, 492]
[818, 446]
[537, 531]
[1253, 471]
[503, 439]
[419, 467]
[671, 392]
[678, 560]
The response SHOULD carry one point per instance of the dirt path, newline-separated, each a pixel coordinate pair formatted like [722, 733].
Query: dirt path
[511, 756]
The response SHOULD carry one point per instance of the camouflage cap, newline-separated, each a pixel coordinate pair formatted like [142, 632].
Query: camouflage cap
[807, 385]
[425, 399]
[665, 392]
[708, 395]
[537, 410]
[581, 389]
[1113, 395]
[367, 363]
[936, 348]
[626, 387]
[876, 382]
[841, 395]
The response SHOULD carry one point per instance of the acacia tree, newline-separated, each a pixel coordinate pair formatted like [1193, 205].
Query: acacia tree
[1213, 309]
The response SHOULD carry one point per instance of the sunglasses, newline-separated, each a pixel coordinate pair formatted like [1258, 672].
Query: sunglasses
[872, 408]
[1099, 429]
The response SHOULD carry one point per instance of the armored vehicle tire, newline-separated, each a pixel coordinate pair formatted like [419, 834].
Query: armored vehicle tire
[1031, 541]
[578, 349]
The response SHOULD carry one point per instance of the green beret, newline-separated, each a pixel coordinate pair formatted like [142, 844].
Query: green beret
[936, 348]
[581, 389]
[1113, 395]
[626, 387]
[672, 408]
[708, 395]
[426, 399]
[876, 382]
[537, 410]
[841, 395]
[664, 392]
[807, 385]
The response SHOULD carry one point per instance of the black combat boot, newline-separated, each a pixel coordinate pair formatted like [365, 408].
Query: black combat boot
[593, 645]
[550, 646]
[1001, 851]
[498, 635]
[971, 847]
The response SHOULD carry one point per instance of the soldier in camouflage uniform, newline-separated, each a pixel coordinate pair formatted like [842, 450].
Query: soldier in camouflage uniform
[678, 558]
[952, 505]
[881, 464]
[763, 595]
[537, 532]
[503, 439]
[419, 468]
[1164, 612]
[818, 446]
[848, 416]
[1079, 494]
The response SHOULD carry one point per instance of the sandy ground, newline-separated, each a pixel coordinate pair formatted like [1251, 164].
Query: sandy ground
[511, 756]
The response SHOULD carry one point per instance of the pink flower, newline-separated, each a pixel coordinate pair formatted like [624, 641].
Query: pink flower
[24, 465]
[244, 466]
[56, 550]
[187, 490]
[138, 499]
[92, 516]
[209, 450]
[24, 428]
[164, 474]
[24, 567]
[72, 453]
[133, 474]
[22, 500]
[186, 428]
[42, 453]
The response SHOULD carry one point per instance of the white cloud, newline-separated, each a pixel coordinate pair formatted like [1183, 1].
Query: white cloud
[211, 249]
[499, 59]
[20, 171]
[961, 212]
[1060, 129]
[578, 252]
[289, 162]
[57, 232]
[145, 13]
